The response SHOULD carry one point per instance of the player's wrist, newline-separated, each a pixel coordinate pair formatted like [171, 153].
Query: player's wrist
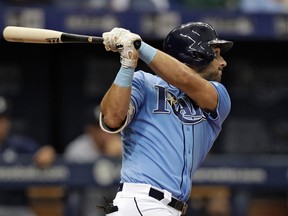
[146, 52]
[124, 77]
[128, 63]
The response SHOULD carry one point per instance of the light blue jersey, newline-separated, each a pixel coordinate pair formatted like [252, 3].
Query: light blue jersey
[168, 135]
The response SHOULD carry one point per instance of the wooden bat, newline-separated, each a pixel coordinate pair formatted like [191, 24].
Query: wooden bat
[45, 36]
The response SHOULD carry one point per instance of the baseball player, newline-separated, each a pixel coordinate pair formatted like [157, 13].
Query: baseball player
[168, 121]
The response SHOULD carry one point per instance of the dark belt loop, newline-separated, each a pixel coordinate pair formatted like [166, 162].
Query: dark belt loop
[120, 188]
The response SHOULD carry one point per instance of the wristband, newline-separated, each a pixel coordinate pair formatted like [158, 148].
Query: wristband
[124, 77]
[146, 52]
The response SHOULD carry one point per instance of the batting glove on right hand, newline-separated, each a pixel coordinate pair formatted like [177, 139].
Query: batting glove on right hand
[122, 41]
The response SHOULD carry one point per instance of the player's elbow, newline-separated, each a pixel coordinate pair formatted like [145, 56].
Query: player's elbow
[112, 116]
[113, 120]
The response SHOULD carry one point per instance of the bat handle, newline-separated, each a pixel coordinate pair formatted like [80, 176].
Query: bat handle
[137, 44]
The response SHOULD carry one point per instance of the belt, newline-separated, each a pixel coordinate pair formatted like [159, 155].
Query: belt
[159, 195]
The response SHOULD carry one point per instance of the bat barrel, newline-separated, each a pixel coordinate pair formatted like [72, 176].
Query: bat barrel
[30, 35]
[38, 35]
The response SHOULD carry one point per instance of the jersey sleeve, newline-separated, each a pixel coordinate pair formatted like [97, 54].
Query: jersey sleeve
[224, 103]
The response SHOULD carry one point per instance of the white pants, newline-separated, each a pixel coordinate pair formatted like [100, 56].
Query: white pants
[134, 200]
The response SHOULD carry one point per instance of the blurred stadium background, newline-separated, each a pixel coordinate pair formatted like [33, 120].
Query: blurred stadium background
[246, 173]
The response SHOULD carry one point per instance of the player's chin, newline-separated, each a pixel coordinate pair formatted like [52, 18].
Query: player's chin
[219, 76]
[216, 77]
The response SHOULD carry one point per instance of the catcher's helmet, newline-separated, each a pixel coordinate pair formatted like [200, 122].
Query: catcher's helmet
[190, 43]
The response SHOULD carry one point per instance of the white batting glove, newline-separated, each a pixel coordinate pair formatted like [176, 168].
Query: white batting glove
[111, 38]
[122, 41]
[129, 54]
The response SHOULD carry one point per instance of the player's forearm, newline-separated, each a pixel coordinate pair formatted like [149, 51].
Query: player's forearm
[115, 104]
[186, 79]
[171, 70]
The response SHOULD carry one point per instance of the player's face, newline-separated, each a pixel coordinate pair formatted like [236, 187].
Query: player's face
[213, 71]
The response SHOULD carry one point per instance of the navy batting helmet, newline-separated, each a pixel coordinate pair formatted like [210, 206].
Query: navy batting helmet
[190, 43]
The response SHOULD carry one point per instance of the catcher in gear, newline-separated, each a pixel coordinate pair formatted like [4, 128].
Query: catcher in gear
[168, 121]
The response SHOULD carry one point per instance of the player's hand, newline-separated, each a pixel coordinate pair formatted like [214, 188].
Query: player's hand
[122, 41]
[129, 55]
[111, 38]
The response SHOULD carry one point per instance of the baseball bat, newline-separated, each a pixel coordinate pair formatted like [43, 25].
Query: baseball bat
[47, 36]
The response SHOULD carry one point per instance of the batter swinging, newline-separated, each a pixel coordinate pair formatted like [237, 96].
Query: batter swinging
[168, 121]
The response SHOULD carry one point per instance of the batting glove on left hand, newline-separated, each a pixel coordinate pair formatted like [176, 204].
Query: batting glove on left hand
[111, 38]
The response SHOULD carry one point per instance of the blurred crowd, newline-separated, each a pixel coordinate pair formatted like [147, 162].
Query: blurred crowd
[164, 5]
[12, 146]
[92, 144]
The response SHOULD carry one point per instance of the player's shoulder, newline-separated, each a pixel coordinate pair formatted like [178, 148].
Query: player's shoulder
[219, 86]
[222, 92]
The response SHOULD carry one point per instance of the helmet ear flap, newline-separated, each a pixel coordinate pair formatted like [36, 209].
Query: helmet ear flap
[200, 55]
[196, 58]
[199, 59]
